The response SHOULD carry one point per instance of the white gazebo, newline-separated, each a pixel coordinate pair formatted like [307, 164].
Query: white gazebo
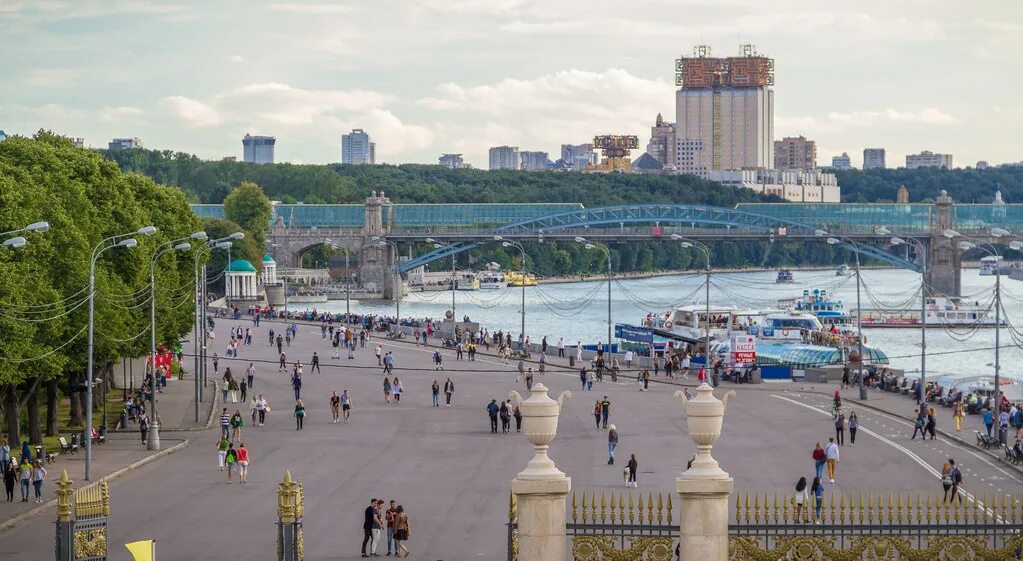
[241, 281]
[269, 276]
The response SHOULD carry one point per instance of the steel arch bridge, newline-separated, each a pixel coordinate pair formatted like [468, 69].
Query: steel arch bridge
[715, 223]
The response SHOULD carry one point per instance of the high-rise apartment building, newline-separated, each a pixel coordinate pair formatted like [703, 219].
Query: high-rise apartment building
[928, 159]
[795, 152]
[534, 161]
[873, 158]
[356, 148]
[662, 141]
[124, 143]
[724, 112]
[258, 149]
[579, 156]
[453, 161]
[505, 157]
[841, 162]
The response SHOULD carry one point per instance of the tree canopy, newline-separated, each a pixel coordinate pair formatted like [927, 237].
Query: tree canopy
[248, 207]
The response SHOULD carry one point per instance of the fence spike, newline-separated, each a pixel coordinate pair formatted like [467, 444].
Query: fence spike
[738, 507]
[660, 508]
[650, 507]
[841, 509]
[777, 507]
[747, 510]
[930, 509]
[669, 509]
[891, 507]
[621, 507]
[632, 509]
[641, 508]
[575, 506]
[593, 506]
[613, 503]
[603, 507]
[511, 506]
[785, 508]
[899, 509]
[756, 507]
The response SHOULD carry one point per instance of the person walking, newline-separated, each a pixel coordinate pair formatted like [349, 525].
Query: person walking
[253, 408]
[438, 360]
[957, 415]
[596, 412]
[250, 374]
[236, 425]
[854, 423]
[989, 421]
[391, 520]
[231, 460]
[296, 383]
[38, 476]
[918, 425]
[957, 479]
[216, 361]
[243, 463]
[315, 364]
[225, 423]
[492, 410]
[299, 414]
[143, 426]
[335, 406]
[817, 490]
[10, 479]
[283, 362]
[633, 466]
[946, 480]
[25, 477]
[387, 390]
[605, 411]
[222, 445]
[346, 406]
[402, 531]
[378, 526]
[449, 388]
[396, 385]
[529, 379]
[517, 413]
[840, 429]
[367, 527]
[818, 460]
[800, 499]
[612, 443]
[505, 415]
[379, 352]
[831, 458]
[931, 427]
[836, 404]
[435, 391]
[262, 408]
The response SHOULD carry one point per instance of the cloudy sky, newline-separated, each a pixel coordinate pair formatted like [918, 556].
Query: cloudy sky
[425, 77]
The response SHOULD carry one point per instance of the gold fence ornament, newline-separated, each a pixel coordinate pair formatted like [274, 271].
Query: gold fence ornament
[669, 509]
[104, 489]
[575, 509]
[640, 508]
[90, 543]
[873, 548]
[650, 507]
[64, 493]
[632, 509]
[513, 508]
[604, 548]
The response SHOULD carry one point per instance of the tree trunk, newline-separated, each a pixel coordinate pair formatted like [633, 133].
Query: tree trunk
[51, 408]
[11, 415]
[35, 429]
[76, 419]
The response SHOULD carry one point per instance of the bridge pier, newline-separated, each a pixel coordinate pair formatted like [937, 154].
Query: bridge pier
[376, 261]
[944, 259]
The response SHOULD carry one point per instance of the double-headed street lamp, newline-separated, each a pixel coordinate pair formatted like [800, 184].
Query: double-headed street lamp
[199, 333]
[438, 245]
[921, 250]
[965, 245]
[597, 245]
[122, 241]
[153, 440]
[19, 242]
[688, 243]
[859, 310]
[522, 273]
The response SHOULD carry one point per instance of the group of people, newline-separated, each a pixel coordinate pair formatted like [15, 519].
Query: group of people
[28, 472]
[394, 520]
[505, 411]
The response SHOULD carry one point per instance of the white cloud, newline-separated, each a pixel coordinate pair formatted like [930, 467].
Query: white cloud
[239, 59]
[193, 112]
[288, 105]
[120, 114]
[836, 122]
[308, 8]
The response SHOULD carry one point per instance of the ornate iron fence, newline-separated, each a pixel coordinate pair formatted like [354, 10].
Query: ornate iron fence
[633, 526]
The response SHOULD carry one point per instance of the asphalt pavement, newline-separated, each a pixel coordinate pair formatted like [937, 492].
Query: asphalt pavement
[451, 474]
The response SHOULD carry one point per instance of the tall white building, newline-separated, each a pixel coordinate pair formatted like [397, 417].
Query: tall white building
[258, 149]
[356, 148]
[505, 157]
[125, 143]
[928, 159]
[534, 161]
[724, 112]
[873, 158]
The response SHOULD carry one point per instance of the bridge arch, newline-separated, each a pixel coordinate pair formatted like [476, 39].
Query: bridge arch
[735, 222]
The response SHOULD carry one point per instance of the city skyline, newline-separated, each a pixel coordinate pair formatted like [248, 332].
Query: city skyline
[431, 86]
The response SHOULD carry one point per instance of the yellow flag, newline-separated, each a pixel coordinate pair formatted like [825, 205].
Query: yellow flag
[144, 550]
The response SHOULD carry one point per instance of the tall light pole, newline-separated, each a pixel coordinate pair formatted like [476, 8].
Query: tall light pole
[687, 243]
[964, 245]
[153, 441]
[598, 245]
[522, 272]
[199, 338]
[454, 318]
[922, 251]
[123, 241]
[859, 311]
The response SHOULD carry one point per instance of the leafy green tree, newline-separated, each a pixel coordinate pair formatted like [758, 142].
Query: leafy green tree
[250, 208]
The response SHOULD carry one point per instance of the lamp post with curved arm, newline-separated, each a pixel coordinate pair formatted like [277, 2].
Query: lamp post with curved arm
[522, 272]
[922, 251]
[859, 310]
[597, 245]
[123, 241]
[199, 333]
[454, 318]
[687, 243]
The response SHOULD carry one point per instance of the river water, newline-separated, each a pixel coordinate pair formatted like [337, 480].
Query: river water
[578, 310]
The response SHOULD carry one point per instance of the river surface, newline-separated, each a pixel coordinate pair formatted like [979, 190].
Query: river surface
[579, 310]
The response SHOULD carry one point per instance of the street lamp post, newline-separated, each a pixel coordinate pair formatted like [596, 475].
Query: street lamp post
[706, 332]
[123, 241]
[522, 273]
[454, 318]
[598, 245]
[922, 251]
[964, 245]
[153, 440]
[859, 309]
[199, 333]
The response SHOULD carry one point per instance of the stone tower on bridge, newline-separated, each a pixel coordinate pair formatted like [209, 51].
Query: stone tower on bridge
[376, 260]
[944, 259]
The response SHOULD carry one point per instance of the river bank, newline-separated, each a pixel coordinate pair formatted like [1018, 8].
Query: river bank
[690, 272]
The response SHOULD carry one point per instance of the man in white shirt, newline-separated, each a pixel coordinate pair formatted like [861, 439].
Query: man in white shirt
[579, 351]
[628, 359]
[561, 347]
[831, 458]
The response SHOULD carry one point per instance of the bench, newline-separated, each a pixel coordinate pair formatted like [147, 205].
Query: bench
[66, 448]
[1011, 456]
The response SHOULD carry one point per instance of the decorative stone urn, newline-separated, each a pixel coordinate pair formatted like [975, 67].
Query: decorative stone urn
[705, 414]
[540, 424]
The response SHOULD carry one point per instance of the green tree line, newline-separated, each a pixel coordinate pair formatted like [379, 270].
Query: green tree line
[967, 185]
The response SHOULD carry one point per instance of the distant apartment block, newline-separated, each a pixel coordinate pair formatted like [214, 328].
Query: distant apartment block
[258, 149]
[579, 156]
[928, 159]
[124, 143]
[357, 148]
[841, 162]
[873, 158]
[453, 161]
[794, 186]
[505, 157]
[795, 152]
[661, 146]
[534, 161]
[78, 142]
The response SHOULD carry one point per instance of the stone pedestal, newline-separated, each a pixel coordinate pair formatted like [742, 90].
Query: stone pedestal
[542, 518]
[703, 515]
